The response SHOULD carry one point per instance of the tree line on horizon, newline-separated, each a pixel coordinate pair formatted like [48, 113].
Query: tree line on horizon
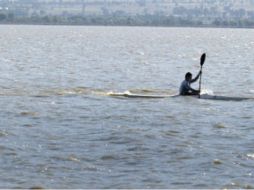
[180, 16]
[119, 19]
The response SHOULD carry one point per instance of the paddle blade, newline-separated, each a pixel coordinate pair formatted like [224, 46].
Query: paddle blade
[202, 59]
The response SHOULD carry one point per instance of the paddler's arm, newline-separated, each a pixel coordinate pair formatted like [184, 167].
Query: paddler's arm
[188, 87]
[196, 78]
[193, 90]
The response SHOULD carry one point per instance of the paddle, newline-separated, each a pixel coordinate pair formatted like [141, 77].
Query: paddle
[202, 62]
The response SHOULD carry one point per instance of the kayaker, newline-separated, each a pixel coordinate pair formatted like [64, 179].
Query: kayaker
[185, 89]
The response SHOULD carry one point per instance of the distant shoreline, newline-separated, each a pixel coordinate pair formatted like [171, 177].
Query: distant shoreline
[123, 25]
[125, 20]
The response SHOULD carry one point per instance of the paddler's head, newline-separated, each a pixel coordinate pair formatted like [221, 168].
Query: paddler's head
[188, 76]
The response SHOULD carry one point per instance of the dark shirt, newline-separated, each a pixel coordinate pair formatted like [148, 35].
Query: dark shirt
[186, 89]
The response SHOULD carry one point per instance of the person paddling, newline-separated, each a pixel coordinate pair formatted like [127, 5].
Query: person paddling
[185, 89]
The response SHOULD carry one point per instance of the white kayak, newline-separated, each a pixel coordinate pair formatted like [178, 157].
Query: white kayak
[128, 94]
[223, 98]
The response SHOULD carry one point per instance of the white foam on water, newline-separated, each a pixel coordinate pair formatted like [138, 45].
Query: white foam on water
[112, 93]
[207, 92]
[250, 156]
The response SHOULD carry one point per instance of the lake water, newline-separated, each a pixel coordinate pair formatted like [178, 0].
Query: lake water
[60, 129]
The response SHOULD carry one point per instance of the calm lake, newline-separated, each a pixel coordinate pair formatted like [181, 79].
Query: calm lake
[59, 128]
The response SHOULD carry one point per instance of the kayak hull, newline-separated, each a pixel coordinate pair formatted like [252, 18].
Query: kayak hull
[203, 97]
[224, 98]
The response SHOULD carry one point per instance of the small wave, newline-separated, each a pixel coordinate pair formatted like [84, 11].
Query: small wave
[250, 156]
[220, 126]
[143, 93]
[14, 92]
[73, 158]
[52, 92]
[238, 185]
[36, 188]
[113, 93]
[140, 52]
[3, 134]
[108, 157]
[151, 91]
[7, 151]
[76, 91]
[28, 125]
[66, 91]
[34, 114]
[217, 162]
[207, 92]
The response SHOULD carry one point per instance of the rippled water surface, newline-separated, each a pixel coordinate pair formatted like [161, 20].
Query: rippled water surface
[60, 129]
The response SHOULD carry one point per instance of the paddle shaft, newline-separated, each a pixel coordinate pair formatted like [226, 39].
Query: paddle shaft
[200, 82]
